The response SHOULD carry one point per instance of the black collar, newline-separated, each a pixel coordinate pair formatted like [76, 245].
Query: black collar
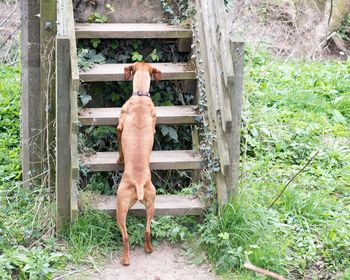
[141, 93]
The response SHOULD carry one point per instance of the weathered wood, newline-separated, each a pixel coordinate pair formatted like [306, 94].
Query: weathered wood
[63, 134]
[47, 79]
[73, 46]
[221, 189]
[131, 30]
[174, 205]
[188, 86]
[160, 160]
[32, 103]
[212, 85]
[171, 115]
[222, 37]
[115, 72]
[217, 69]
[237, 50]
[184, 45]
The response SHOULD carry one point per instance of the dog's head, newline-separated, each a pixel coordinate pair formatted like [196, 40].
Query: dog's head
[133, 68]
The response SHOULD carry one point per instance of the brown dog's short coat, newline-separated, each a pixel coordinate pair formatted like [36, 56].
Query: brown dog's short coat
[135, 133]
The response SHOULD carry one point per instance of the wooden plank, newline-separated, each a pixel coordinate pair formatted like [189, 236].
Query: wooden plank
[205, 66]
[131, 30]
[212, 86]
[160, 160]
[237, 49]
[222, 37]
[170, 115]
[115, 72]
[32, 101]
[184, 45]
[174, 205]
[222, 100]
[73, 46]
[47, 81]
[63, 130]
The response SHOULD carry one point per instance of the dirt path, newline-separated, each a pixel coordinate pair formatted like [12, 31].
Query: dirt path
[165, 263]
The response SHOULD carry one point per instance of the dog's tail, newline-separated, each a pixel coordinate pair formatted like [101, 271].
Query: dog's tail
[139, 191]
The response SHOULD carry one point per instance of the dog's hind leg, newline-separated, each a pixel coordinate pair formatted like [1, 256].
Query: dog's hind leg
[150, 194]
[126, 198]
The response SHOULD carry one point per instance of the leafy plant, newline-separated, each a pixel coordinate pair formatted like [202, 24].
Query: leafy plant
[101, 18]
[88, 57]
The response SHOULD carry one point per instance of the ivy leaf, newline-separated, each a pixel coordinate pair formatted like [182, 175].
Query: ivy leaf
[136, 56]
[170, 131]
[85, 98]
[95, 42]
[114, 44]
[99, 58]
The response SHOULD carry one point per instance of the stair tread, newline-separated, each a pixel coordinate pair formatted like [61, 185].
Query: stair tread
[160, 160]
[175, 205]
[185, 114]
[115, 72]
[131, 30]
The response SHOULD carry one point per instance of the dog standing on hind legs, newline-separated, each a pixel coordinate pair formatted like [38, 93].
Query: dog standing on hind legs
[135, 134]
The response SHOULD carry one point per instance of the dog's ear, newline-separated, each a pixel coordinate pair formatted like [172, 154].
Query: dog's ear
[156, 74]
[127, 72]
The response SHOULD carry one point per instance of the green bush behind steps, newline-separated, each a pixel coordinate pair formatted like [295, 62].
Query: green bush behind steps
[115, 94]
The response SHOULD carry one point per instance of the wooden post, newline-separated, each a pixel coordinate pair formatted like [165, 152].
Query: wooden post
[237, 50]
[63, 133]
[48, 30]
[32, 105]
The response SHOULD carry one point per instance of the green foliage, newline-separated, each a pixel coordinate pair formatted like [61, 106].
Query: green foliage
[344, 29]
[9, 129]
[291, 109]
[88, 57]
[97, 17]
[27, 250]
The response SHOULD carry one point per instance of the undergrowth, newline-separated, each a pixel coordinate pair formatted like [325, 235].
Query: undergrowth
[292, 109]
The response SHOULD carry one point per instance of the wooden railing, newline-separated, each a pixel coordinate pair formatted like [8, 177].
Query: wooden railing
[222, 68]
[67, 85]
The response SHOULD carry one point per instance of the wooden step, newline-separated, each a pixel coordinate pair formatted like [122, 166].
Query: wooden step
[171, 115]
[131, 31]
[174, 205]
[115, 72]
[160, 160]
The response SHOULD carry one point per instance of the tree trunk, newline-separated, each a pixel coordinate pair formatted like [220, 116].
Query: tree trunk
[340, 10]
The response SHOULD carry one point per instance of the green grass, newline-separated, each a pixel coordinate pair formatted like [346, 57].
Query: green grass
[291, 110]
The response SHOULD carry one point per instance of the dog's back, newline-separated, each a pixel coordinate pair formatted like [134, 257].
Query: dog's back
[138, 135]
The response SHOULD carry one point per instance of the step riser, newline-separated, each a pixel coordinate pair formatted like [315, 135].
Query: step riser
[131, 31]
[174, 205]
[153, 166]
[160, 160]
[115, 72]
[170, 115]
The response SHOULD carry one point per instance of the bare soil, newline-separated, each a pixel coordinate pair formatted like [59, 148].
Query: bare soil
[165, 263]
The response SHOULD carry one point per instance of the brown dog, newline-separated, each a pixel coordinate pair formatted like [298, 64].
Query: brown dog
[135, 137]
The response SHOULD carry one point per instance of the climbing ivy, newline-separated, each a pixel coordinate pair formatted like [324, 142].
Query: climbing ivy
[115, 94]
[178, 12]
